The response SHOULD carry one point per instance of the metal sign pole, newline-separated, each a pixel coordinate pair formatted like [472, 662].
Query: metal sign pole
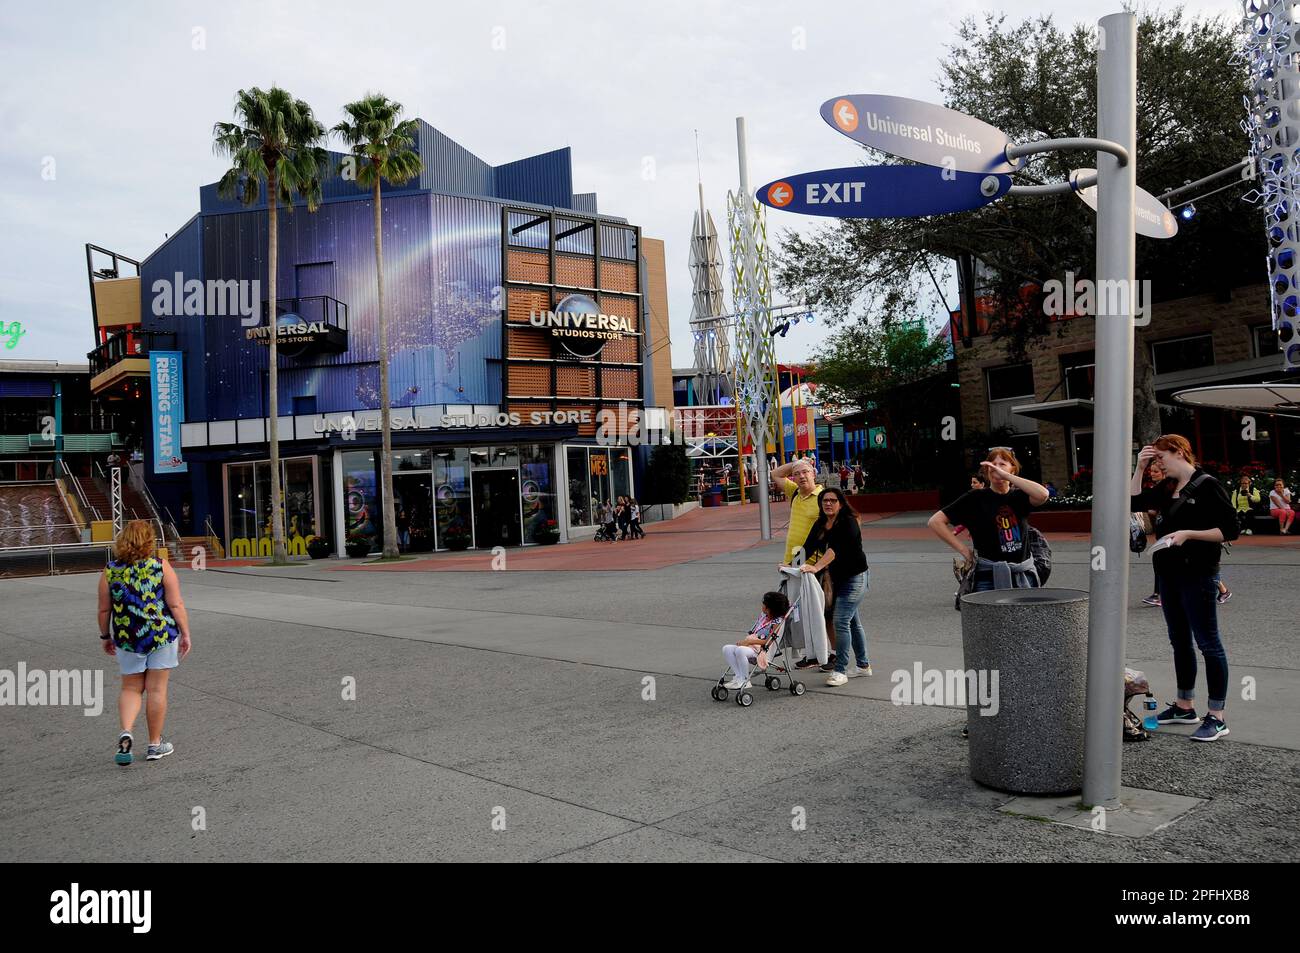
[750, 327]
[1108, 577]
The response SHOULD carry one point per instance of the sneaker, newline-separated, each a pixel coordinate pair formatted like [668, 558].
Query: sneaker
[1212, 729]
[1223, 597]
[830, 664]
[160, 750]
[836, 679]
[1173, 715]
[1152, 600]
[1247, 532]
[860, 670]
[965, 733]
[124, 756]
[806, 663]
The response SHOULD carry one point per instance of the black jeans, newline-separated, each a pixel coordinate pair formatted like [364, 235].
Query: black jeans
[1191, 613]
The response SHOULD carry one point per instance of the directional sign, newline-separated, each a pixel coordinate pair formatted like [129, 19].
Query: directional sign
[1150, 216]
[883, 191]
[923, 132]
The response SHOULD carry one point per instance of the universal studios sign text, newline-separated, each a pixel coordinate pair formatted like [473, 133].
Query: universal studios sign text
[577, 324]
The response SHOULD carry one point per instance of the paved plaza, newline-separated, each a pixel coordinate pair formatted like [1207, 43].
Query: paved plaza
[559, 709]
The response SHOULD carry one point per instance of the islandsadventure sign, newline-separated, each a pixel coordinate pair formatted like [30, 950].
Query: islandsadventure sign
[920, 131]
[884, 191]
[1151, 217]
[579, 326]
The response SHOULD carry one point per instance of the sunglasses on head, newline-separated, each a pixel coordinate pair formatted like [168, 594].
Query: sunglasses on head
[1008, 449]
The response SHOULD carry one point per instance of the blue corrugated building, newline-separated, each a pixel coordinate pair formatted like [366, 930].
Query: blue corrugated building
[496, 414]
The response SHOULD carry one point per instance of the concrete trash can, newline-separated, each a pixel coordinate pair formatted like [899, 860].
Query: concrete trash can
[1028, 652]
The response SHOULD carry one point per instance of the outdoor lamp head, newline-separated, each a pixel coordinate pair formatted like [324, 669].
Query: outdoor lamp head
[1188, 211]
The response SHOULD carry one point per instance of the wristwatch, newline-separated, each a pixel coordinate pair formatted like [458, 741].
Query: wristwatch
[105, 636]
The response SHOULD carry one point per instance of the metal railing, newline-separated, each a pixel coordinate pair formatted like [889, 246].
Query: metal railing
[127, 344]
[213, 541]
[88, 511]
[54, 559]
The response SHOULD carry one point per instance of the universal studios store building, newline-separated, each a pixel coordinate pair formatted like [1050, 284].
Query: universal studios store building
[517, 330]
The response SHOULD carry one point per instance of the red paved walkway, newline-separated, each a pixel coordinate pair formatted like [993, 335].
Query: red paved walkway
[701, 533]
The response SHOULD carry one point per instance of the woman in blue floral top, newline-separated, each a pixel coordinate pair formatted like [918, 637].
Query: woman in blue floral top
[142, 621]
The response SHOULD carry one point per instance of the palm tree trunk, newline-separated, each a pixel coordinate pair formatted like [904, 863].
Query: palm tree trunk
[1146, 410]
[385, 402]
[278, 553]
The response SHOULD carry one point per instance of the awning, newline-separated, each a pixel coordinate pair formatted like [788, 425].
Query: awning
[1074, 412]
[1278, 398]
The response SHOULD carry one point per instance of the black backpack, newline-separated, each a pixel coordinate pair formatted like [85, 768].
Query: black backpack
[1040, 552]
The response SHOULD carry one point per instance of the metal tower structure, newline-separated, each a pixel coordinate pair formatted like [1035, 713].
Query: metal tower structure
[713, 368]
[1272, 52]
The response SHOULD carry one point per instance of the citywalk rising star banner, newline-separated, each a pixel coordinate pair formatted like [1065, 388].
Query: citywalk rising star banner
[167, 396]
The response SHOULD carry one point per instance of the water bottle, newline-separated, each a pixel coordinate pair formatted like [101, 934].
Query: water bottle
[1149, 719]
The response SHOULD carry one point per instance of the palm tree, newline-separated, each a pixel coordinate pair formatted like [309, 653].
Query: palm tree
[275, 139]
[382, 145]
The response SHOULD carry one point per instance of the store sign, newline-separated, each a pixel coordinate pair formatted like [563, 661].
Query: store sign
[577, 324]
[295, 335]
[167, 398]
[370, 420]
[920, 131]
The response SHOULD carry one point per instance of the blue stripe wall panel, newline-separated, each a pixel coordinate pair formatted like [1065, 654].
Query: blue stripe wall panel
[450, 167]
[545, 179]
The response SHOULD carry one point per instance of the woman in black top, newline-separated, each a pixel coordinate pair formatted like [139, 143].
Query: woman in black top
[997, 518]
[835, 543]
[1195, 519]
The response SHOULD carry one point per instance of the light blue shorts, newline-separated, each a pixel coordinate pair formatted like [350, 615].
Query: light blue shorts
[133, 663]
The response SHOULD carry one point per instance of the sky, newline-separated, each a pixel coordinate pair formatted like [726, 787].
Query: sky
[108, 110]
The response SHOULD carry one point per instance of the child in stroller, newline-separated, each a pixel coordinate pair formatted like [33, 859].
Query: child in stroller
[764, 643]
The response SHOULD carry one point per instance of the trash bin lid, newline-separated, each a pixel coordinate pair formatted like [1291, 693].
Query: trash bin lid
[1026, 597]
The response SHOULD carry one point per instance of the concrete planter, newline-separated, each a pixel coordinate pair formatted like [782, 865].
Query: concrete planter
[1062, 521]
[1036, 641]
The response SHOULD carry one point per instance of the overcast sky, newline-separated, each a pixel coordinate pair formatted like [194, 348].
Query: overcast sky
[108, 109]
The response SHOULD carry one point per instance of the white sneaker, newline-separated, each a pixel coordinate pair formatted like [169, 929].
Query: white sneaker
[856, 671]
[736, 684]
[836, 679]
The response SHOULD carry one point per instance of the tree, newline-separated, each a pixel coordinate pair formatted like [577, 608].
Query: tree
[383, 148]
[1036, 81]
[860, 365]
[275, 141]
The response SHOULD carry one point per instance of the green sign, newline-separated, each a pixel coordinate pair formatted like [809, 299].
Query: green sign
[876, 436]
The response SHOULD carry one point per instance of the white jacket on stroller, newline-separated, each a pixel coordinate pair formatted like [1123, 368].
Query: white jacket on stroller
[807, 625]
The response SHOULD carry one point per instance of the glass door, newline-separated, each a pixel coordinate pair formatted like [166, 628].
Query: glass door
[497, 519]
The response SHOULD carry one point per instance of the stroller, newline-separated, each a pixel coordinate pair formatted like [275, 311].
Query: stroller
[774, 660]
[606, 535]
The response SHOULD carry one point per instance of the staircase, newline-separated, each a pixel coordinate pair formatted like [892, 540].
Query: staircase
[205, 543]
[134, 506]
[33, 514]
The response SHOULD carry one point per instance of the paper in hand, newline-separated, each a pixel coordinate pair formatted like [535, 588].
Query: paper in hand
[1164, 542]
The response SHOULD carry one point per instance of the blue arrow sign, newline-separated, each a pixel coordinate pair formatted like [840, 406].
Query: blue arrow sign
[920, 131]
[883, 191]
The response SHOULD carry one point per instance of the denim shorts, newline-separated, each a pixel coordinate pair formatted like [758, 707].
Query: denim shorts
[134, 663]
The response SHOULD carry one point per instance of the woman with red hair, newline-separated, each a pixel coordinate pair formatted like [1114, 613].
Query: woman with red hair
[1195, 518]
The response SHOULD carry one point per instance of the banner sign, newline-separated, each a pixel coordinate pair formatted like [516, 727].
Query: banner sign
[884, 191]
[167, 397]
[920, 131]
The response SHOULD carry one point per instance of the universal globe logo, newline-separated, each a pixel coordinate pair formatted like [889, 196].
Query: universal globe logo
[579, 326]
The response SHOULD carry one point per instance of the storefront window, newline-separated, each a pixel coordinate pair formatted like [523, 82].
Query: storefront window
[536, 488]
[620, 471]
[598, 474]
[580, 508]
[299, 504]
[362, 516]
[241, 521]
[248, 495]
[451, 497]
